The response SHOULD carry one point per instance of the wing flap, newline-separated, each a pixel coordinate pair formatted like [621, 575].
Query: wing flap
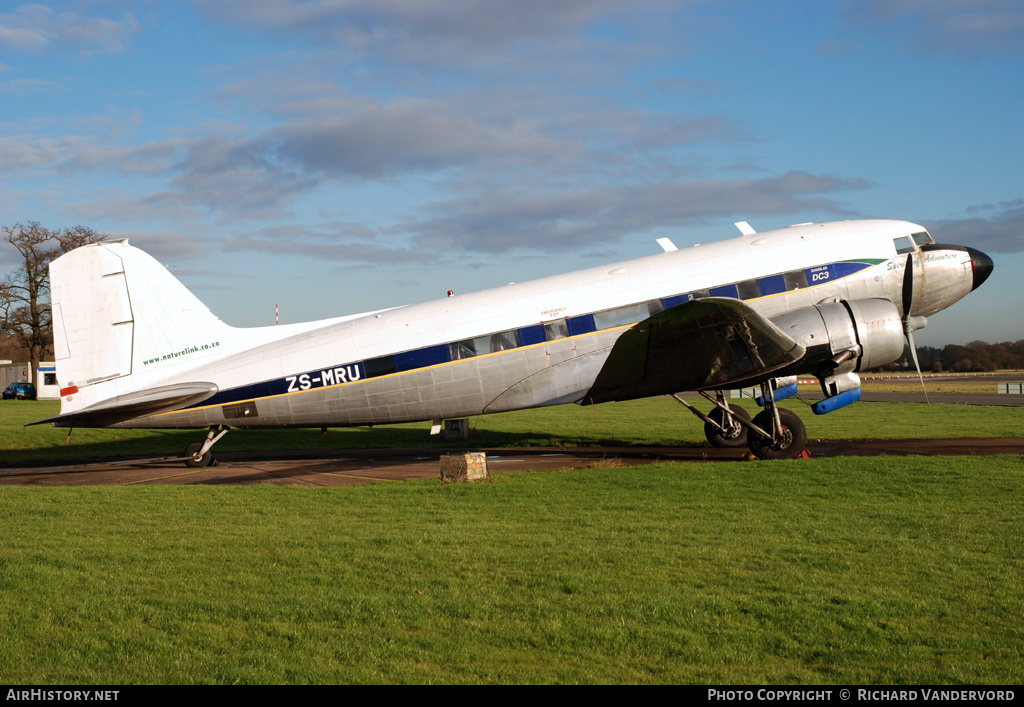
[708, 343]
[139, 404]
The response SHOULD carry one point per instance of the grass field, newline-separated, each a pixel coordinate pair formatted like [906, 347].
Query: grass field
[881, 571]
[655, 421]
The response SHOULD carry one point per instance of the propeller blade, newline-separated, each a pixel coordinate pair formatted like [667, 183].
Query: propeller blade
[913, 353]
[908, 287]
[911, 324]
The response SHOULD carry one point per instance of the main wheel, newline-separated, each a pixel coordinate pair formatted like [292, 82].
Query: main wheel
[734, 434]
[192, 458]
[792, 438]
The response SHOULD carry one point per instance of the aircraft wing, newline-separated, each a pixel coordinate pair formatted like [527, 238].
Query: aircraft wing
[714, 342]
[138, 404]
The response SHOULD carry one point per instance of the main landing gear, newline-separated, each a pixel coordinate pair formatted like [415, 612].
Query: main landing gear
[774, 433]
[788, 438]
[199, 455]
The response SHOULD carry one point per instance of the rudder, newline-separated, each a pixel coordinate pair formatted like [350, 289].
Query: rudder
[117, 313]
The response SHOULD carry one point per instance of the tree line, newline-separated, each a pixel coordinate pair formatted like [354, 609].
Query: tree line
[976, 356]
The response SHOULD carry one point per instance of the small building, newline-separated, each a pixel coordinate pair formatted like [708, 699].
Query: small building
[45, 379]
[46, 382]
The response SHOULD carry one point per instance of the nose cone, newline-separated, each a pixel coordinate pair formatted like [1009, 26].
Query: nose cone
[982, 266]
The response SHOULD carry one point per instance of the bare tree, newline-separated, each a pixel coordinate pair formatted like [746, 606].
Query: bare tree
[25, 293]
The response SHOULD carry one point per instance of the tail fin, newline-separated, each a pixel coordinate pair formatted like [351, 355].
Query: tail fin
[118, 312]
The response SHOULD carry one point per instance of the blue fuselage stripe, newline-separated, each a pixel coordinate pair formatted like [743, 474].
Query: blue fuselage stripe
[438, 354]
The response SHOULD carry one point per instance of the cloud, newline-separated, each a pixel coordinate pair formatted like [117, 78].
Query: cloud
[227, 173]
[165, 246]
[25, 87]
[399, 43]
[688, 132]
[37, 28]
[360, 22]
[230, 196]
[687, 85]
[501, 221]
[514, 221]
[468, 137]
[337, 241]
[410, 135]
[221, 172]
[1001, 231]
[153, 158]
[968, 26]
[30, 152]
[116, 207]
[324, 129]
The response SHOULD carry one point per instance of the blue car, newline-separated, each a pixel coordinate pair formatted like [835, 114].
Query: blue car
[20, 391]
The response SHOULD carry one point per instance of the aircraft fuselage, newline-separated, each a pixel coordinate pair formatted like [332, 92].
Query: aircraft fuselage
[529, 344]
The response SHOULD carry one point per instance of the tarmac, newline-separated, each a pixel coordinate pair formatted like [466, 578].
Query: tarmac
[355, 467]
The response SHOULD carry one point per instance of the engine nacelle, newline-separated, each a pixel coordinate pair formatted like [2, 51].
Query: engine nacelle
[845, 335]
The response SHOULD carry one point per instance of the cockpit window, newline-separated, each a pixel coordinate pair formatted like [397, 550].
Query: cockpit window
[922, 238]
[904, 244]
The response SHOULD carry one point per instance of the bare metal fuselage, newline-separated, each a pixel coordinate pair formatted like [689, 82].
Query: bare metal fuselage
[517, 346]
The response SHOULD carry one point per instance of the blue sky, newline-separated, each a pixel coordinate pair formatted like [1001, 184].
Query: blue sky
[344, 155]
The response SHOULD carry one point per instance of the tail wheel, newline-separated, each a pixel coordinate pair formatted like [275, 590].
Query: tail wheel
[192, 458]
[789, 441]
[733, 433]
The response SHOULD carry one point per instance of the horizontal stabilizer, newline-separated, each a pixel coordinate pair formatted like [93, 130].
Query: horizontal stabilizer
[143, 402]
[708, 343]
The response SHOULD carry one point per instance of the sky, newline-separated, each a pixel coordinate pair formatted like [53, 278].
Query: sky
[336, 156]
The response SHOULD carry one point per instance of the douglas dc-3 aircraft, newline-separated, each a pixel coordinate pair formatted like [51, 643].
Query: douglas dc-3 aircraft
[134, 348]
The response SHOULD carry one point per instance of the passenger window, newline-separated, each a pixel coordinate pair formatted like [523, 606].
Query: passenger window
[748, 289]
[462, 349]
[630, 314]
[557, 329]
[382, 366]
[491, 343]
[795, 280]
[504, 341]
[904, 244]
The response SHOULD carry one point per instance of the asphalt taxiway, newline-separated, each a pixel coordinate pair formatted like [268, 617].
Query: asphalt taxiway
[354, 467]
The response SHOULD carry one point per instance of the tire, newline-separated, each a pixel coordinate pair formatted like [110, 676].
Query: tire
[735, 434]
[792, 440]
[190, 456]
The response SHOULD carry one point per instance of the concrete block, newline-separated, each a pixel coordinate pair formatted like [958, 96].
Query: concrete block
[471, 466]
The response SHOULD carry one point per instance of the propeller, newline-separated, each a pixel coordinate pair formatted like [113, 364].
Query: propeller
[912, 324]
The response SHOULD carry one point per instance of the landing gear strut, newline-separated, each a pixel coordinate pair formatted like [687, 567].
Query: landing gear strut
[778, 433]
[199, 455]
[774, 433]
[724, 425]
